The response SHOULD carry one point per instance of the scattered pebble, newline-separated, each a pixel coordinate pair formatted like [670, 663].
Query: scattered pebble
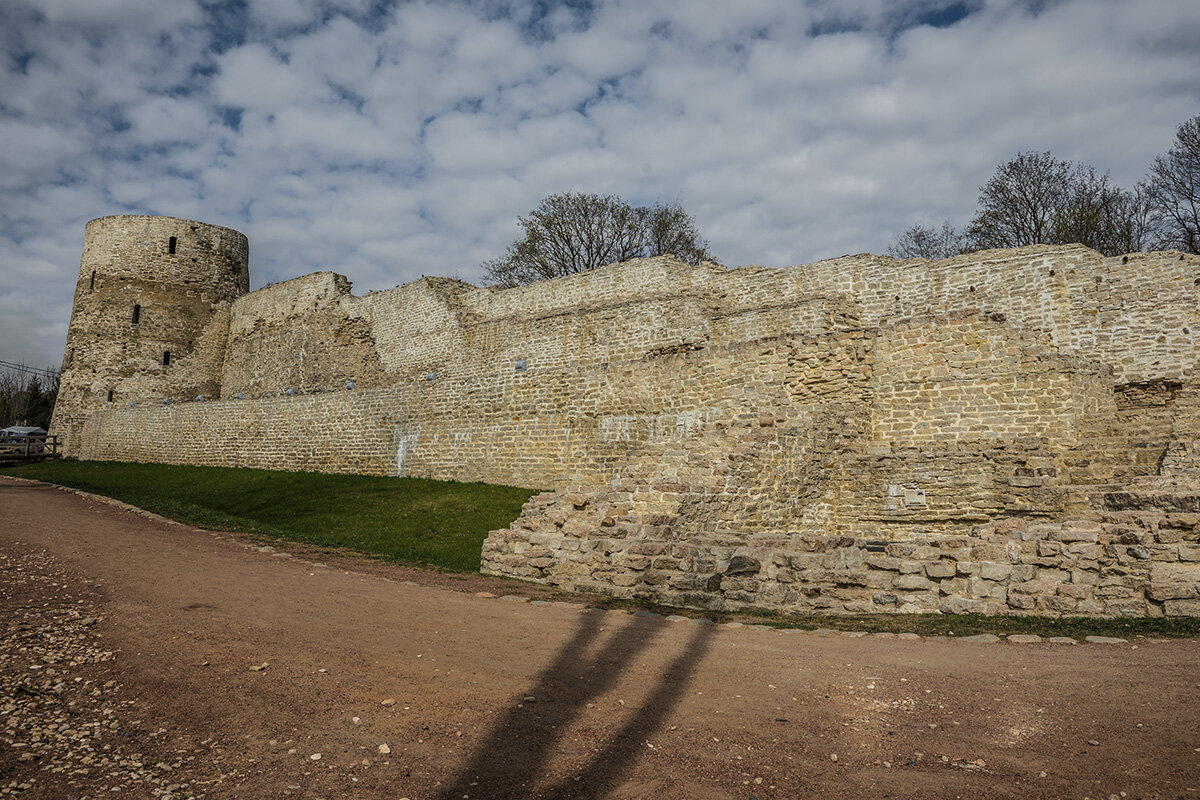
[70, 721]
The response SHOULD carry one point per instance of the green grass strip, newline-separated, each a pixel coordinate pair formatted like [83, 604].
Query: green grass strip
[443, 524]
[409, 520]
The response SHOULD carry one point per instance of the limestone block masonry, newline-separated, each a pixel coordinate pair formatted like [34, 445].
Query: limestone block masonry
[150, 316]
[1013, 431]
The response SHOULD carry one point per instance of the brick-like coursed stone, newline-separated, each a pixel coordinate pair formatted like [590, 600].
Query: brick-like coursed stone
[798, 439]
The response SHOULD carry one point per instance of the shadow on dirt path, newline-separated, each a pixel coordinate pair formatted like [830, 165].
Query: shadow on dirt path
[515, 753]
[157, 634]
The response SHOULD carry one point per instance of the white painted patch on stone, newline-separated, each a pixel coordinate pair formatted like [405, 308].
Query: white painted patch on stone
[617, 429]
[405, 443]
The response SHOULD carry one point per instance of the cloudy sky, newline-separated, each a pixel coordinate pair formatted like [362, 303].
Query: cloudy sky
[387, 140]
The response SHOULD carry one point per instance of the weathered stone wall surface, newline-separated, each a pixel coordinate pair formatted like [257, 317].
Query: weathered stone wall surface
[1137, 313]
[181, 275]
[958, 379]
[1114, 563]
[453, 329]
[418, 326]
[1134, 313]
[788, 438]
[307, 334]
[840, 454]
[548, 425]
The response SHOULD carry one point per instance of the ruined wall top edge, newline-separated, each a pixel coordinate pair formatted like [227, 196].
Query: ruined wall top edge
[156, 220]
[668, 275]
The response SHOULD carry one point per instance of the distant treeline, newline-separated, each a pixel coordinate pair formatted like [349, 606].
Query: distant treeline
[27, 396]
[1038, 199]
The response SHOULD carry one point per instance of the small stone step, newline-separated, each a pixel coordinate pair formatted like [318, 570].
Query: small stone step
[1132, 498]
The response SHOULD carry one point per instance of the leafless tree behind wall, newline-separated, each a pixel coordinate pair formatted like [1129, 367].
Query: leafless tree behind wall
[1174, 189]
[930, 243]
[572, 232]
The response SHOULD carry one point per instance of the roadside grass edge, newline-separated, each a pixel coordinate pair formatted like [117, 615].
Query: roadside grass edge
[392, 517]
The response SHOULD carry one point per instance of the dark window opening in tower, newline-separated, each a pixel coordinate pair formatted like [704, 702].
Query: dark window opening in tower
[92, 285]
[166, 358]
[137, 314]
[171, 246]
[110, 395]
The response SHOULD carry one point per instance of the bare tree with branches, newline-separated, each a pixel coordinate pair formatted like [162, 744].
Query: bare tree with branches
[1035, 198]
[572, 232]
[1174, 189]
[1102, 216]
[1018, 205]
[920, 241]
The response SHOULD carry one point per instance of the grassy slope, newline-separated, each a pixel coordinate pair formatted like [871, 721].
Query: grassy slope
[440, 524]
[411, 520]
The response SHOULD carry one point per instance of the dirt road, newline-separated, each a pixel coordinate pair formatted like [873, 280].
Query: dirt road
[129, 650]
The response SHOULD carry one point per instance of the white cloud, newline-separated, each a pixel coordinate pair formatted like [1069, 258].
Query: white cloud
[35, 147]
[390, 145]
[253, 77]
[142, 13]
[169, 119]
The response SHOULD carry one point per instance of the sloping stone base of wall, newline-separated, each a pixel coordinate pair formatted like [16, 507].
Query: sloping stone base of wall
[1139, 562]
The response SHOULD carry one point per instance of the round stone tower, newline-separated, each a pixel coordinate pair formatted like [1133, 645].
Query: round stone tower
[150, 317]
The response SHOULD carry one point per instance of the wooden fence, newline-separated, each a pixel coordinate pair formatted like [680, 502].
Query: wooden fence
[22, 449]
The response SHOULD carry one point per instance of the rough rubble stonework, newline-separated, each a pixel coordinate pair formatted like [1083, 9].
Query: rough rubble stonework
[1009, 431]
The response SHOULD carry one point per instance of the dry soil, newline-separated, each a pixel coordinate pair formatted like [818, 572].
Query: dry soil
[147, 659]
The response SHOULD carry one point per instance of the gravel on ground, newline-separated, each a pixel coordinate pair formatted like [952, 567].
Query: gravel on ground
[142, 658]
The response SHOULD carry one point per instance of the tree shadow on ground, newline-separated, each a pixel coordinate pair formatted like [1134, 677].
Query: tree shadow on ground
[514, 756]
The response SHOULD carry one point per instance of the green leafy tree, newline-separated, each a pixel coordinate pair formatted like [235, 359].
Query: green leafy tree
[573, 232]
[40, 404]
[23, 398]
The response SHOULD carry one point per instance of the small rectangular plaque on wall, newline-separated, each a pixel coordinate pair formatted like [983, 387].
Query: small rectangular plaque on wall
[914, 497]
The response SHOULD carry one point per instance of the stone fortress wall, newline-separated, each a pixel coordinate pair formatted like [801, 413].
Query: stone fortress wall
[150, 290]
[857, 434]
